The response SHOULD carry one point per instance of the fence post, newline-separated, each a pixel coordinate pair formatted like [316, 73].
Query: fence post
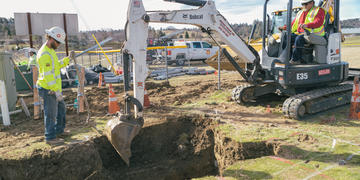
[166, 64]
[82, 60]
[4, 104]
[219, 68]
[37, 103]
[112, 59]
[90, 59]
[81, 90]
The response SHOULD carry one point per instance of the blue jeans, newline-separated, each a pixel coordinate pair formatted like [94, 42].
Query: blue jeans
[54, 114]
[298, 41]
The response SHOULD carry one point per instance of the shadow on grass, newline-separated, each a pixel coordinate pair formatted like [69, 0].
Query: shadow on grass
[244, 174]
[293, 152]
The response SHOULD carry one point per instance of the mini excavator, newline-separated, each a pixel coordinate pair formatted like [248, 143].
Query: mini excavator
[312, 87]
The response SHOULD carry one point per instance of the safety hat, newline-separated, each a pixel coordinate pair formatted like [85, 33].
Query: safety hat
[57, 33]
[305, 1]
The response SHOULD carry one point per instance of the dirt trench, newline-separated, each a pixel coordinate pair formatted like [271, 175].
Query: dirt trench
[184, 147]
[177, 149]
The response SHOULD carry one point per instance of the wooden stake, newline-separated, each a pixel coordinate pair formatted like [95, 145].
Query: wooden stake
[37, 103]
[4, 104]
[81, 90]
[25, 108]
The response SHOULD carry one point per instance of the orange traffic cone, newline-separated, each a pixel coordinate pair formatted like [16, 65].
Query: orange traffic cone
[101, 80]
[146, 100]
[355, 100]
[268, 110]
[113, 104]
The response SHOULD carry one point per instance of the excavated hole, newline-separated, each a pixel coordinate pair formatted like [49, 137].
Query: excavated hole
[187, 147]
[179, 149]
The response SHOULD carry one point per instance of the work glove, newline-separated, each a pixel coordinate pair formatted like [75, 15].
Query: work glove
[59, 96]
[66, 60]
[72, 55]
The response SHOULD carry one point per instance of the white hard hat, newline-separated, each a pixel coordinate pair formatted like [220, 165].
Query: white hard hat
[305, 1]
[57, 33]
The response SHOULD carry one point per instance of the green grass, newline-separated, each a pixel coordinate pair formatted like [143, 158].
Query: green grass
[101, 123]
[87, 132]
[76, 135]
[21, 153]
[256, 133]
[215, 98]
[282, 168]
[324, 128]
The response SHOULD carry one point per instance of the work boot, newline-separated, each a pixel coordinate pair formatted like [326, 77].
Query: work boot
[65, 134]
[55, 142]
[294, 62]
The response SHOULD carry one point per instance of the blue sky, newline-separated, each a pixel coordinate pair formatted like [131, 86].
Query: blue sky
[106, 14]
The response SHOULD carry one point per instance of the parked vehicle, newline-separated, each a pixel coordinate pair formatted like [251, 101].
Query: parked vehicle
[195, 51]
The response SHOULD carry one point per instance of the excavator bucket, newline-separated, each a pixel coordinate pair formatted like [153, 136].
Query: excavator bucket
[121, 131]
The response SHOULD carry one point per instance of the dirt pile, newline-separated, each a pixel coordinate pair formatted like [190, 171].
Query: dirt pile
[97, 98]
[306, 138]
[228, 151]
[63, 162]
[186, 93]
[161, 85]
[224, 62]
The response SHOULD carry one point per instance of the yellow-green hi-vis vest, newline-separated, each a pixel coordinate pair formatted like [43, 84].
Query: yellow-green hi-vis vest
[310, 17]
[49, 69]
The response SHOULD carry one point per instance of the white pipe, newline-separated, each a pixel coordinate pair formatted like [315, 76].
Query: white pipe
[4, 104]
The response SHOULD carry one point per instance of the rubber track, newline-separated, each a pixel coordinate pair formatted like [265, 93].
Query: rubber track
[291, 105]
[236, 93]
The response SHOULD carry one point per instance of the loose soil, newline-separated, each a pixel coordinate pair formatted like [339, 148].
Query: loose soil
[224, 62]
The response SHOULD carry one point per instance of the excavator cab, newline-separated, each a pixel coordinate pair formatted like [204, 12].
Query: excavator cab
[278, 20]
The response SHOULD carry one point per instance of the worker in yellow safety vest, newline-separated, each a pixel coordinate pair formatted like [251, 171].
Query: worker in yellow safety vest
[32, 58]
[311, 18]
[49, 85]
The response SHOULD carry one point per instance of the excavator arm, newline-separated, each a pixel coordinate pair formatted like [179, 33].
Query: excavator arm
[205, 17]
[210, 20]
